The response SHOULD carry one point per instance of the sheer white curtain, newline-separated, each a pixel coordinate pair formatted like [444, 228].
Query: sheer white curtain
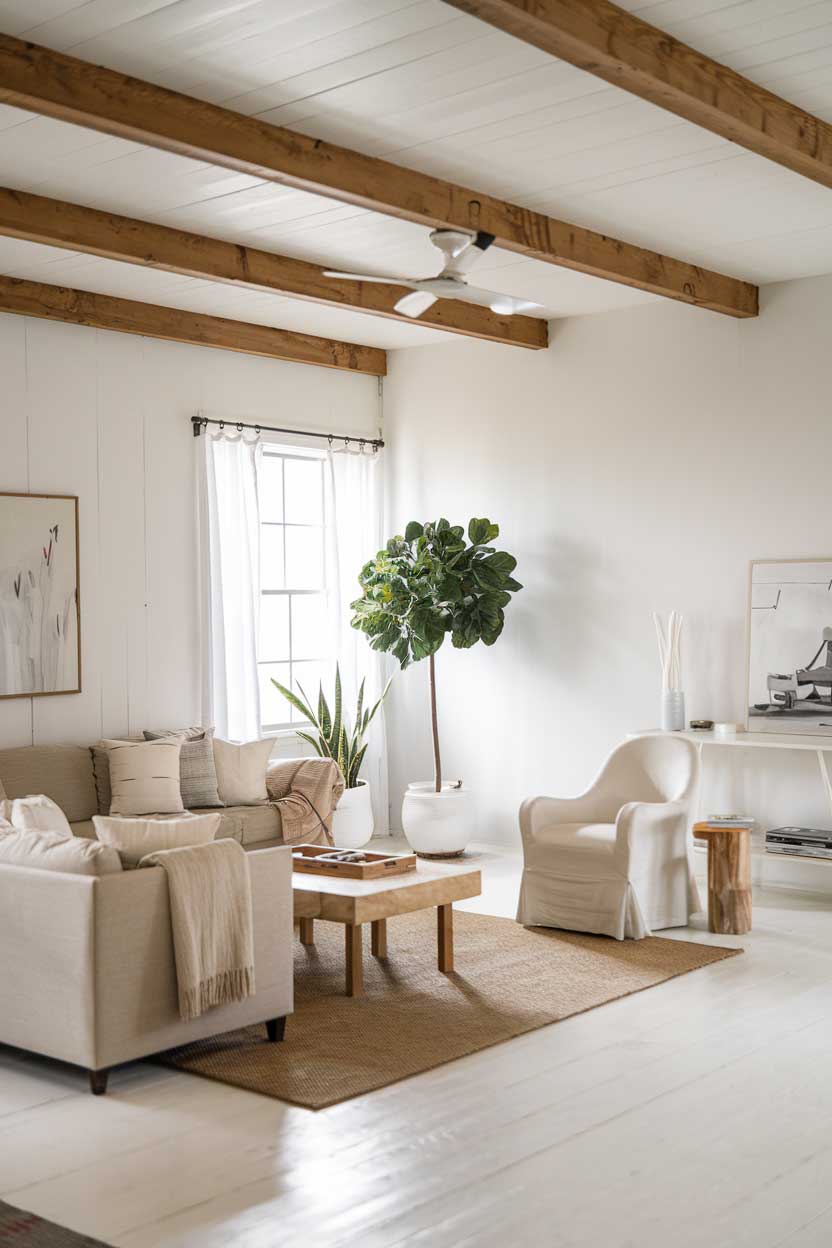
[355, 532]
[230, 582]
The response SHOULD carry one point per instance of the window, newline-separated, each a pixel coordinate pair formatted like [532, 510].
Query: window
[294, 636]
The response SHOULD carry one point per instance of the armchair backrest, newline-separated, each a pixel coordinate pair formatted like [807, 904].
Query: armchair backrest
[658, 768]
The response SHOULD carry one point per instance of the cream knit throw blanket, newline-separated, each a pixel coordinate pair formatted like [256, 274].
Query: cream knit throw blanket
[213, 926]
[306, 792]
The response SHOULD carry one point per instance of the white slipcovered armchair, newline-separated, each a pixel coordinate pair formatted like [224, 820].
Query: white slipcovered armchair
[618, 859]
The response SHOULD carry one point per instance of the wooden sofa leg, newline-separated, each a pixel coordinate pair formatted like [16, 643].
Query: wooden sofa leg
[275, 1029]
[98, 1081]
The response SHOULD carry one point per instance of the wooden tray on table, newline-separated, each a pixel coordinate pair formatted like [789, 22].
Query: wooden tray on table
[307, 858]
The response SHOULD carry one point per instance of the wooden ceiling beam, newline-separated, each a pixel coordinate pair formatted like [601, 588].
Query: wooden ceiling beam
[97, 233]
[628, 52]
[56, 85]
[128, 316]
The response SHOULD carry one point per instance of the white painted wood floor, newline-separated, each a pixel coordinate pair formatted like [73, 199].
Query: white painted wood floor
[698, 1112]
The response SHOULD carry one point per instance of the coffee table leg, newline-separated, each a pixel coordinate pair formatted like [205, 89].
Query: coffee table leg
[307, 931]
[378, 938]
[355, 964]
[445, 937]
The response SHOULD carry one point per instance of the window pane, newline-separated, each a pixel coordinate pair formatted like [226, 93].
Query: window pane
[309, 626]
[304, 480]
[270, 488]
[304, 558]
[310, 676]
[271, 556]
[274, 628]
[274, 709]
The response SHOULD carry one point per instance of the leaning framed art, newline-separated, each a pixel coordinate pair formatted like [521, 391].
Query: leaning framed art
[40, 614]
[790, 646]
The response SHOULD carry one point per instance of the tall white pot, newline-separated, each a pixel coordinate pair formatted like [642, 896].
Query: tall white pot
[352, 822]
[437, 825]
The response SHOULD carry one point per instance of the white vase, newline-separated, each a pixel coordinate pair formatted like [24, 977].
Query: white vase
[352, 823]
[673, 710]
[437, 825]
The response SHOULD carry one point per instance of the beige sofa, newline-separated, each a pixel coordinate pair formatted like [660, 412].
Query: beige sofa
[65, 773]
[87, 970]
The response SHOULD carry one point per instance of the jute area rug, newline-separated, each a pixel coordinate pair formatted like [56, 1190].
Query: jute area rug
[27, 1230]
[508, 980]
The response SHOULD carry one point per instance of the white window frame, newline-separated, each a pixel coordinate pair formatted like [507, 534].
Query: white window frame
[284, 453]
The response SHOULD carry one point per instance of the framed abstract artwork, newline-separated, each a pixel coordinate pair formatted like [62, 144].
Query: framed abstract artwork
[40, 617]
[790, 646]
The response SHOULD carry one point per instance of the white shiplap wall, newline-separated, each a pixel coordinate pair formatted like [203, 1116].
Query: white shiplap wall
[105, 416]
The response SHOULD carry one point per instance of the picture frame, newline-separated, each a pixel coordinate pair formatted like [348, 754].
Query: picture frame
[40, 595]
[789, 646]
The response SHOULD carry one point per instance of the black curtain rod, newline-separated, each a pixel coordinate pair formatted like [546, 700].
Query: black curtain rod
[201, 422]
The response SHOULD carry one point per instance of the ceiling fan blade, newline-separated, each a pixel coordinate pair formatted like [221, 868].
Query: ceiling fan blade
[502, 305]
[367, 277]
[416, 303]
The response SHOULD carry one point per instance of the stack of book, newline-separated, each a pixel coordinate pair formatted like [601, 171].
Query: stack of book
[800, 842]
[729, 821]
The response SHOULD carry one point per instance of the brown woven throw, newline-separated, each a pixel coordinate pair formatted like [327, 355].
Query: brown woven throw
[508, 980]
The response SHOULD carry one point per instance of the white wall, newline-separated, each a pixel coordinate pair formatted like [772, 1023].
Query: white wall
[636, 466]
[106, 416]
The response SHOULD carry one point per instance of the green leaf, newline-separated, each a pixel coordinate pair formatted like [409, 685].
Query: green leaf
[311, 740]
[295, 701]
[413, 530]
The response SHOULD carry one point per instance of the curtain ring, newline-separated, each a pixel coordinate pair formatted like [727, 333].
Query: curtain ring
[239, 428]
[222, 424]
[330, 440]
[257, 430]
[347, 443]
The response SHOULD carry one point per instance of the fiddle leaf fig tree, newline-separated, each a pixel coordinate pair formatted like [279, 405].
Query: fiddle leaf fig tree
[435, 581]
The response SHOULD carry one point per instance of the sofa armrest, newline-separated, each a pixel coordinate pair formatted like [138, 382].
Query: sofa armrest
[137, 1010]
[47, 968]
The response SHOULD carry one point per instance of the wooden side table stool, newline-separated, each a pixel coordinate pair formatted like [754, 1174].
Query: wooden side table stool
[729, 878]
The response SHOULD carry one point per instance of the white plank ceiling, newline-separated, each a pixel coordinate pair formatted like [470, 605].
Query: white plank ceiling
[419, 83]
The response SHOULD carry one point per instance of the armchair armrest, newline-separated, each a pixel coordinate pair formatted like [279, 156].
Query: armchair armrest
[541, 812]
[637, 823]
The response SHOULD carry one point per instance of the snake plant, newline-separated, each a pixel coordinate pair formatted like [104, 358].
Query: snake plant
[335, 738]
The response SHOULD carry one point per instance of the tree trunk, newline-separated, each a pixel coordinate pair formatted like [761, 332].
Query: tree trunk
[437, 761]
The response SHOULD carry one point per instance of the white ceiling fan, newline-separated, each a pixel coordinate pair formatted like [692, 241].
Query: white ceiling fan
[461, 250]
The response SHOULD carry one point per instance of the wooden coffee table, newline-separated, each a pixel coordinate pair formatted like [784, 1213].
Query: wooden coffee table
[356, 902]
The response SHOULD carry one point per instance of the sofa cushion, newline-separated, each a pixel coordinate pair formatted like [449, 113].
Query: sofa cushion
[38, 813]
[50, 851]
[144, 777]
[241, 771]
[62, 772]
[197, 771]
[135, 837]
[250, 825]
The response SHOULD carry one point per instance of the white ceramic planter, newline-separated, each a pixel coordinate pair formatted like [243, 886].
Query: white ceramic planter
[437, 825]
[352, 823]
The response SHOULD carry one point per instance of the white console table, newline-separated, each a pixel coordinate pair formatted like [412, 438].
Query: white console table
[760, 740]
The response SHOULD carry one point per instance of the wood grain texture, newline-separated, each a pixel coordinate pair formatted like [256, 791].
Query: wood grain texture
[366, 901]
[128, 316]
[57, 223]
[445, 938]
[354, 948]
[378, 938]
[61, 86]
[628, 52]
[729, 878]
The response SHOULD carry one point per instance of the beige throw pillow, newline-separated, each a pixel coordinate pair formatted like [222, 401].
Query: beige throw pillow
[144, 777]
[38, 813]
[241, 771]
[197, 770]
[50, 851]
[133, 838]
